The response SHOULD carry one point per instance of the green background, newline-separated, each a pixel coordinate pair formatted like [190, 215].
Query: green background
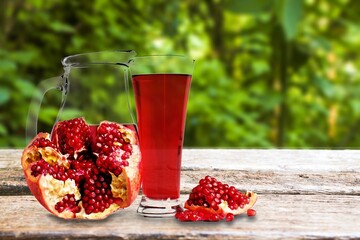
[269, 73]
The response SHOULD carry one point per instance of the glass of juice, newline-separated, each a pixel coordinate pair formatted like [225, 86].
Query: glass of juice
[161, 87]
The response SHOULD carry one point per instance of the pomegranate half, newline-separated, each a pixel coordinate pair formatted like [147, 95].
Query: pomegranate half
[84, 171]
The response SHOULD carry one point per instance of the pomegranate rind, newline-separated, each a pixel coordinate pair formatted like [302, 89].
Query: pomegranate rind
[53, 191]
[127, 185]
[43, 188]
[225, 208]
[32, 153]
[97, 216]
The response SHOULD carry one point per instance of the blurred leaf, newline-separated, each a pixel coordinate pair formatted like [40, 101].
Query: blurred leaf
[355, 106]
[260, 67]
[48, 114]
[246, 6]
[18, 141]
[7, 66]
[61, 27]
[299, 56]
[25, 88]
[324, 85]
[3, 130]
[24, 57]
[70, 113]
[272, 100]
[4, 95]
[78, 42]
[289, 13]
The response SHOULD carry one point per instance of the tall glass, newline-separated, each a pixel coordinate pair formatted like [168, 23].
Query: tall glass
[161, 86]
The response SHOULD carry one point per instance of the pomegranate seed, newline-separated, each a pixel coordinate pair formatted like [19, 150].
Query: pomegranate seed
[229, 217]
[127, 148]
[89, 209]
[251, 212]
[42, 143]
[68, 202]
[215, 218]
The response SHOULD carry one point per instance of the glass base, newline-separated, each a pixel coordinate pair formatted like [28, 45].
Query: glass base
[158, 208]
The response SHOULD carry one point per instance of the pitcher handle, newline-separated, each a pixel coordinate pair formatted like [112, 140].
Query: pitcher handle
[58, 83]
[127, 80]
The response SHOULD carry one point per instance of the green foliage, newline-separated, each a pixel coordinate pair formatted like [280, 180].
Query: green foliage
[268, 73]
[244, 6]
[289, 13]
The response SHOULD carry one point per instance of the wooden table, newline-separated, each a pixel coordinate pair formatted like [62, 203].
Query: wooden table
[311, 194]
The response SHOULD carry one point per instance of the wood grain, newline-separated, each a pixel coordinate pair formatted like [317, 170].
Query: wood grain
[303, 194]
[278, 216]
[264, 171]
[10, 158]
[246, 159]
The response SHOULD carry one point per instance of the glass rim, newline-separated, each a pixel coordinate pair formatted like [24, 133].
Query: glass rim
[161, 64]
[84, 59]
[163, 56]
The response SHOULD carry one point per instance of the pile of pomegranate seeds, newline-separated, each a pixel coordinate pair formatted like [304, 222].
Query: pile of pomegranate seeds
[68, 202]
[214, 201]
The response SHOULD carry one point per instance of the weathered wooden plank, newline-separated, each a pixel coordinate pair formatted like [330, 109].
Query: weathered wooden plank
[272, 159]
[10, 158]
[12, 181]
[278, 216]
[247, 159]
[274, 182]
[264, 171]
[303, 194]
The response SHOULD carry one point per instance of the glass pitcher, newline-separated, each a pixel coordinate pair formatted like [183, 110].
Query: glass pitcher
[93, 86]
[100, 161]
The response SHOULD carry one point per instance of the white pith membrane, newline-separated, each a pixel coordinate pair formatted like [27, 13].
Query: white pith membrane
[225, 207]
[119, 184]
[52, 157]
[53, 190]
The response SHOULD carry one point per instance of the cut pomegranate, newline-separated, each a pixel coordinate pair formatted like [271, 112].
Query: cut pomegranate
[212, 200]
[84, 171]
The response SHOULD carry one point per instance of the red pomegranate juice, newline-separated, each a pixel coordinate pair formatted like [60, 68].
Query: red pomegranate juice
[161, 101]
